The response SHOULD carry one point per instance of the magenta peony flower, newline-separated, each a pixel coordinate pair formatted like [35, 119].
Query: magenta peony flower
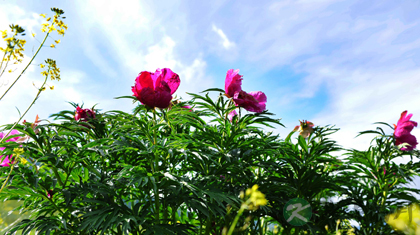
[156, 89]
[253, 101]
[84, 114]
[231, 115]
[6, 161]
[233, 82]
[402, 132]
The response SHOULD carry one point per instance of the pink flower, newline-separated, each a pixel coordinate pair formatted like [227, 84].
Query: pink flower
[6, 161]
[231, 115]
[305, 128]
[402, 132]
[233, 82]
[187, 107]
[253, 101]
[50, 193]
[84, 114]
[156, 89]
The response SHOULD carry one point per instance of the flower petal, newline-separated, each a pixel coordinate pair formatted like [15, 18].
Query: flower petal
[233, 82]
[171, 78]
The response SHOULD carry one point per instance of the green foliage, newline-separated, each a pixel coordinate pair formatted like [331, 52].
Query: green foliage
[178, 171]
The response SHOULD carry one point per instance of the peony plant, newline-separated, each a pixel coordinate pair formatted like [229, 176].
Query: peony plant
[168, 168]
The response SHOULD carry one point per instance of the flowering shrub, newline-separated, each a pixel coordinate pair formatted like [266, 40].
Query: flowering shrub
[169, 169]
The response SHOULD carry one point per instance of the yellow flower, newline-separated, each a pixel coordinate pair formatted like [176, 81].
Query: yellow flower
[42, 66]
[52, 46]
[18, 151]
[43, 88]
[51, 87]
[43, 15]
[57, 41]
[49, 18]
[52, 28]
[23, 160]
[33, 34]
[256, 198]
[44, 73]
[406, 220]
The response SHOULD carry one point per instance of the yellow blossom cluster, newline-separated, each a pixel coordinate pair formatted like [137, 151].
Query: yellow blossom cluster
[55, 23]
[406, 220]
[14, 45]
[51, 71]
[255, 198]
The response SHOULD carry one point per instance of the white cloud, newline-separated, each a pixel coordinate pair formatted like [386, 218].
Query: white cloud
[225, 41]
[137, 37]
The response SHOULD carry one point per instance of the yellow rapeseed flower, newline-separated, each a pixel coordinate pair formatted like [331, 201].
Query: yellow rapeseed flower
[49, 18]
[51, 87]
[33, 34]
[52, 46]
[23, 160]
[44, 73]
[43, 88]
[51, 28]
[256, 198]
[57, 41]
[18, 151]
[42, 66]
[406, 220]
[43, 15]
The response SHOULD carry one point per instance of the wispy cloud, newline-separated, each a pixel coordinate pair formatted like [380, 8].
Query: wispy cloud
[224, 40]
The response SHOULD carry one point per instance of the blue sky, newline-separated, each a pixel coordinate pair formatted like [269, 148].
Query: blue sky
[348, 63]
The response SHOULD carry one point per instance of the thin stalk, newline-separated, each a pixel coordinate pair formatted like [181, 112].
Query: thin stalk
[60, 182]
[29, 107]
[8, 60]
[33, 102]
[385, 194]
[8, 176]
[157, 205]
[29, 63]
[235, 221]
[208, 226]
[4, 55]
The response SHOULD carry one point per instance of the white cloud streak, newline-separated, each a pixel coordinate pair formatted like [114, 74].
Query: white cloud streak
[224, 40]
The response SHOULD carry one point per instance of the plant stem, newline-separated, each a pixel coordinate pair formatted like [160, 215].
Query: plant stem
[33, 102]
[29, 107]
[8, 176]
[235, 221]
[29, 63]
